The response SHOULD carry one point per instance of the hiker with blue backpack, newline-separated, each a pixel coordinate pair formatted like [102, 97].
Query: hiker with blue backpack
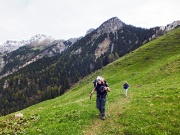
[125, 86]
[101, 88]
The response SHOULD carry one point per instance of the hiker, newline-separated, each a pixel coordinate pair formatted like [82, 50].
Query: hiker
[125, 86]
[101, 88]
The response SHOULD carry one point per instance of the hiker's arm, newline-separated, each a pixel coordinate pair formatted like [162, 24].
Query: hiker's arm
[92, 91]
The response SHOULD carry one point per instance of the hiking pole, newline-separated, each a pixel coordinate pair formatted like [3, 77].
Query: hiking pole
[108, 108]
[91, 107]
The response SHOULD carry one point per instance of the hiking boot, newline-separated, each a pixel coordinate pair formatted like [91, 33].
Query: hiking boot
[103, 117]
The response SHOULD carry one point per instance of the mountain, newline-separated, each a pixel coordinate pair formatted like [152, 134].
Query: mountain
[36, 48]
[111, 25]
[152, 105]
[10, 45]
[34, 73]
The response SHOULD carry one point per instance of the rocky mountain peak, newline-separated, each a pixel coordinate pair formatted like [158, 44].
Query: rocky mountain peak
[40, 37]
[170, 26]
[41, 40]
[11, 45]
[164, 29]
[111, 25]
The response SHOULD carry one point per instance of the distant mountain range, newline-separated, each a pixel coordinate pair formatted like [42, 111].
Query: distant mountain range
[10, 45]
[37, 42]
[43, 68]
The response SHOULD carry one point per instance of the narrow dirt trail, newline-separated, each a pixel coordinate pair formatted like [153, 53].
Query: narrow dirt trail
[99, 126]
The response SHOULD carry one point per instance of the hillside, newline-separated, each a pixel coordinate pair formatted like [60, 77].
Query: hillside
[152, 106]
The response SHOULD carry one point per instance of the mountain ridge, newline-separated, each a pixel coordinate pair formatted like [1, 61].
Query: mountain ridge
[12, 45]
[111, 25]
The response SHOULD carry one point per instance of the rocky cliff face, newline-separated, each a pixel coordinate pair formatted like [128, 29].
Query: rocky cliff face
[164, 29]
[170, 26]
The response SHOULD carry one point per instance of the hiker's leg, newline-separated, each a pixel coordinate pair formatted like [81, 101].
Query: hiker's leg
[126, 92]
[98, 104]
[103, 103]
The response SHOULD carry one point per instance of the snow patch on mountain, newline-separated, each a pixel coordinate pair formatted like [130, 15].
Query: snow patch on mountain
[11, 45]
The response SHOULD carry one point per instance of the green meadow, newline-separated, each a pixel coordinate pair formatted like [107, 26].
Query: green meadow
[152, 106]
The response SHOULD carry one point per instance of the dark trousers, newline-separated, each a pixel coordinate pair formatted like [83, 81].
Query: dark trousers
[100, 104]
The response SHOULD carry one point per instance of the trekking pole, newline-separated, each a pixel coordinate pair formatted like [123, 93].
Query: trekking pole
[108, 108]
[91, 107]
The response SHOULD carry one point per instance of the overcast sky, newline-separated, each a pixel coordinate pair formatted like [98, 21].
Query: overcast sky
[64, 19]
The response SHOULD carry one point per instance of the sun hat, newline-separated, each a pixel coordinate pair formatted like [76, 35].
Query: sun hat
[99, 78]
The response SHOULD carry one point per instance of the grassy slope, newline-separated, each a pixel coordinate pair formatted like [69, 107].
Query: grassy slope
[152, 105]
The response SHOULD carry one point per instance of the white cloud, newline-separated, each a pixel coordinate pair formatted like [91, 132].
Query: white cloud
[63, 19]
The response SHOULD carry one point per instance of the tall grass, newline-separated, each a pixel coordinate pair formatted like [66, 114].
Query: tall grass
[152, 106]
